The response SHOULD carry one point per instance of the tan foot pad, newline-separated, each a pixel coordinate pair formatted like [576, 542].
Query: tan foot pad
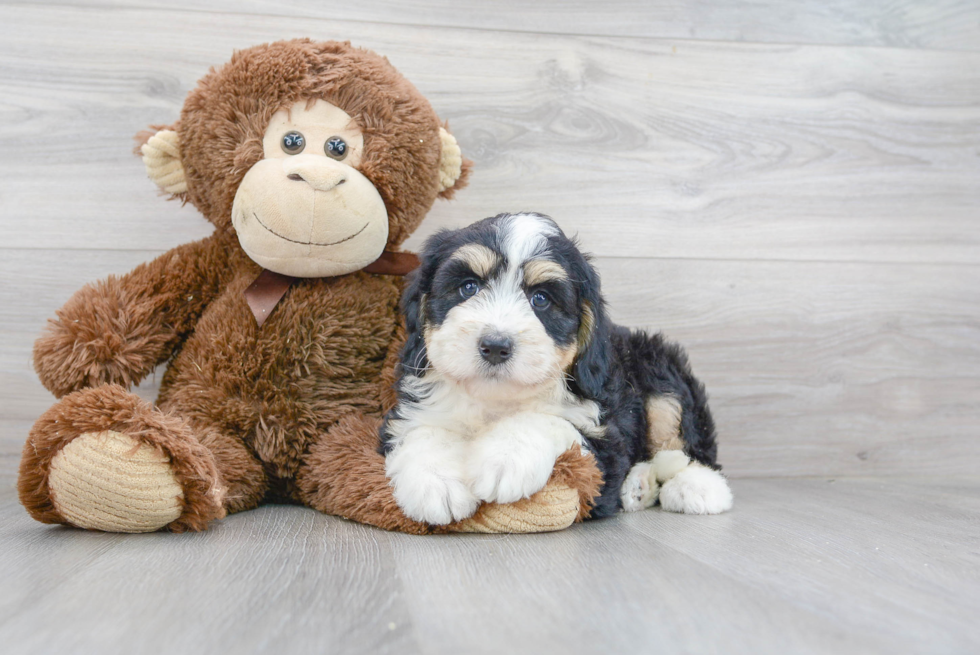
[553, 508]
[109, 481]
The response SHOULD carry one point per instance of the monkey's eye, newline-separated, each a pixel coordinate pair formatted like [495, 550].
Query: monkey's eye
[540, 300]
[293, 143]
[335, 147]
[469, 288]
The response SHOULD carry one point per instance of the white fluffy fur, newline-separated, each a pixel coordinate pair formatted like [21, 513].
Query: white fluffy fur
[696, 489]
[429, 477]
[668, 463]
[525, 236]
[640, 488]
[680, 484]
[514, 459]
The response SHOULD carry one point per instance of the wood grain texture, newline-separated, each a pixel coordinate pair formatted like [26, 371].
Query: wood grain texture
[645, 147]
[937, 24]
[802, 566]
[788, 189]
[812, 368]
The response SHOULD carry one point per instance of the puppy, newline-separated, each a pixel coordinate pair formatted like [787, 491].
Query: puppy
[510, 360]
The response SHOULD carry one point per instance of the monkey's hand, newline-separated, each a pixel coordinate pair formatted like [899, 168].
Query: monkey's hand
[118, 330]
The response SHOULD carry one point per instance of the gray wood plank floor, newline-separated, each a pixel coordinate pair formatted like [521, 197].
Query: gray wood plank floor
[801, 565]
[792, 190]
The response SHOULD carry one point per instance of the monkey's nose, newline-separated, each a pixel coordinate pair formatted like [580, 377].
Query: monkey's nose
[496, 349]
[318, 172]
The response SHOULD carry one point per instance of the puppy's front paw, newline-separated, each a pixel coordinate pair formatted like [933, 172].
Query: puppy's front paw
[515, 459]
[696, 490]
[433, 498]
[508, 476]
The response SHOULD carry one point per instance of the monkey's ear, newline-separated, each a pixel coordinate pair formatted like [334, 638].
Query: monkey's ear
[161, 156]
[453, 169]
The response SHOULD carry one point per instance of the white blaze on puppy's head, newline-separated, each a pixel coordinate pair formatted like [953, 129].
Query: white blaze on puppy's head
[524, 237]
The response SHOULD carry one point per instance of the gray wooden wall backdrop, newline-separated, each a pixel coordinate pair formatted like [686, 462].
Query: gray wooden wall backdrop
[791, 189]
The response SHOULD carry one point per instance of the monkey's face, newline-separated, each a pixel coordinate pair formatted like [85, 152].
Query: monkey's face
[305, 209]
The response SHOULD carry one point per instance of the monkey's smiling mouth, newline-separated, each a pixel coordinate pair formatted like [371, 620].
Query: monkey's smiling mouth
[306, 243]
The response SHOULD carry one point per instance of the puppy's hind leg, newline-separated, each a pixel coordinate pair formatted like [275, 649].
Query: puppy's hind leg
[642, 486]
[690, 487]
[641, 489]
[681, 485]
[687, 486]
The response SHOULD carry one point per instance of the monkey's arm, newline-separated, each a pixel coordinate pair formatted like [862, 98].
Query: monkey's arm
[118, 330]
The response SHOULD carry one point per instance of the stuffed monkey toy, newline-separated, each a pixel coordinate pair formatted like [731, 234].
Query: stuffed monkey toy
[281, 332]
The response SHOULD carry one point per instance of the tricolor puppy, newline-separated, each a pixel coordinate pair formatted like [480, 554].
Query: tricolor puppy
[511, 360]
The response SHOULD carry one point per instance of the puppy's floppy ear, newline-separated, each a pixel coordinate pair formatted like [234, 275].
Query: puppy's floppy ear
[591, 367]
[414, 359]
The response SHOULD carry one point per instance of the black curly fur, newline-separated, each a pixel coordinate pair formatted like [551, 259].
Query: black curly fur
[641, 366]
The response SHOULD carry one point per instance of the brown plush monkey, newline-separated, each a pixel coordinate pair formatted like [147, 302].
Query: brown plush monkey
[314, 161]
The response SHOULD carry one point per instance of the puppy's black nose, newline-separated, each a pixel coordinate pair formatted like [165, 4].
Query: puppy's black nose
[496, 349]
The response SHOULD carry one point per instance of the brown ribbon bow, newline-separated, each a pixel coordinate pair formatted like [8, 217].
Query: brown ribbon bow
[268, 289]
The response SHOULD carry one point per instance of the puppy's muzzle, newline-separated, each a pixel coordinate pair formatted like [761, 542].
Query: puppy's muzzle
[496, 349]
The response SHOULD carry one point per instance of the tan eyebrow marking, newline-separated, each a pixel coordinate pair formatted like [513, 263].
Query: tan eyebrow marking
[538, 271]
[480, 259]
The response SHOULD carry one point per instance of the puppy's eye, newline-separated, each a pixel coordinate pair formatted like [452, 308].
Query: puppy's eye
[335, 147]
[469, 288]
[540, 300]
[293, 143]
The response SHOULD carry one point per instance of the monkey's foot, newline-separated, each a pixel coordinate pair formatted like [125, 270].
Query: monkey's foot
[103, 459]
[109, 481]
